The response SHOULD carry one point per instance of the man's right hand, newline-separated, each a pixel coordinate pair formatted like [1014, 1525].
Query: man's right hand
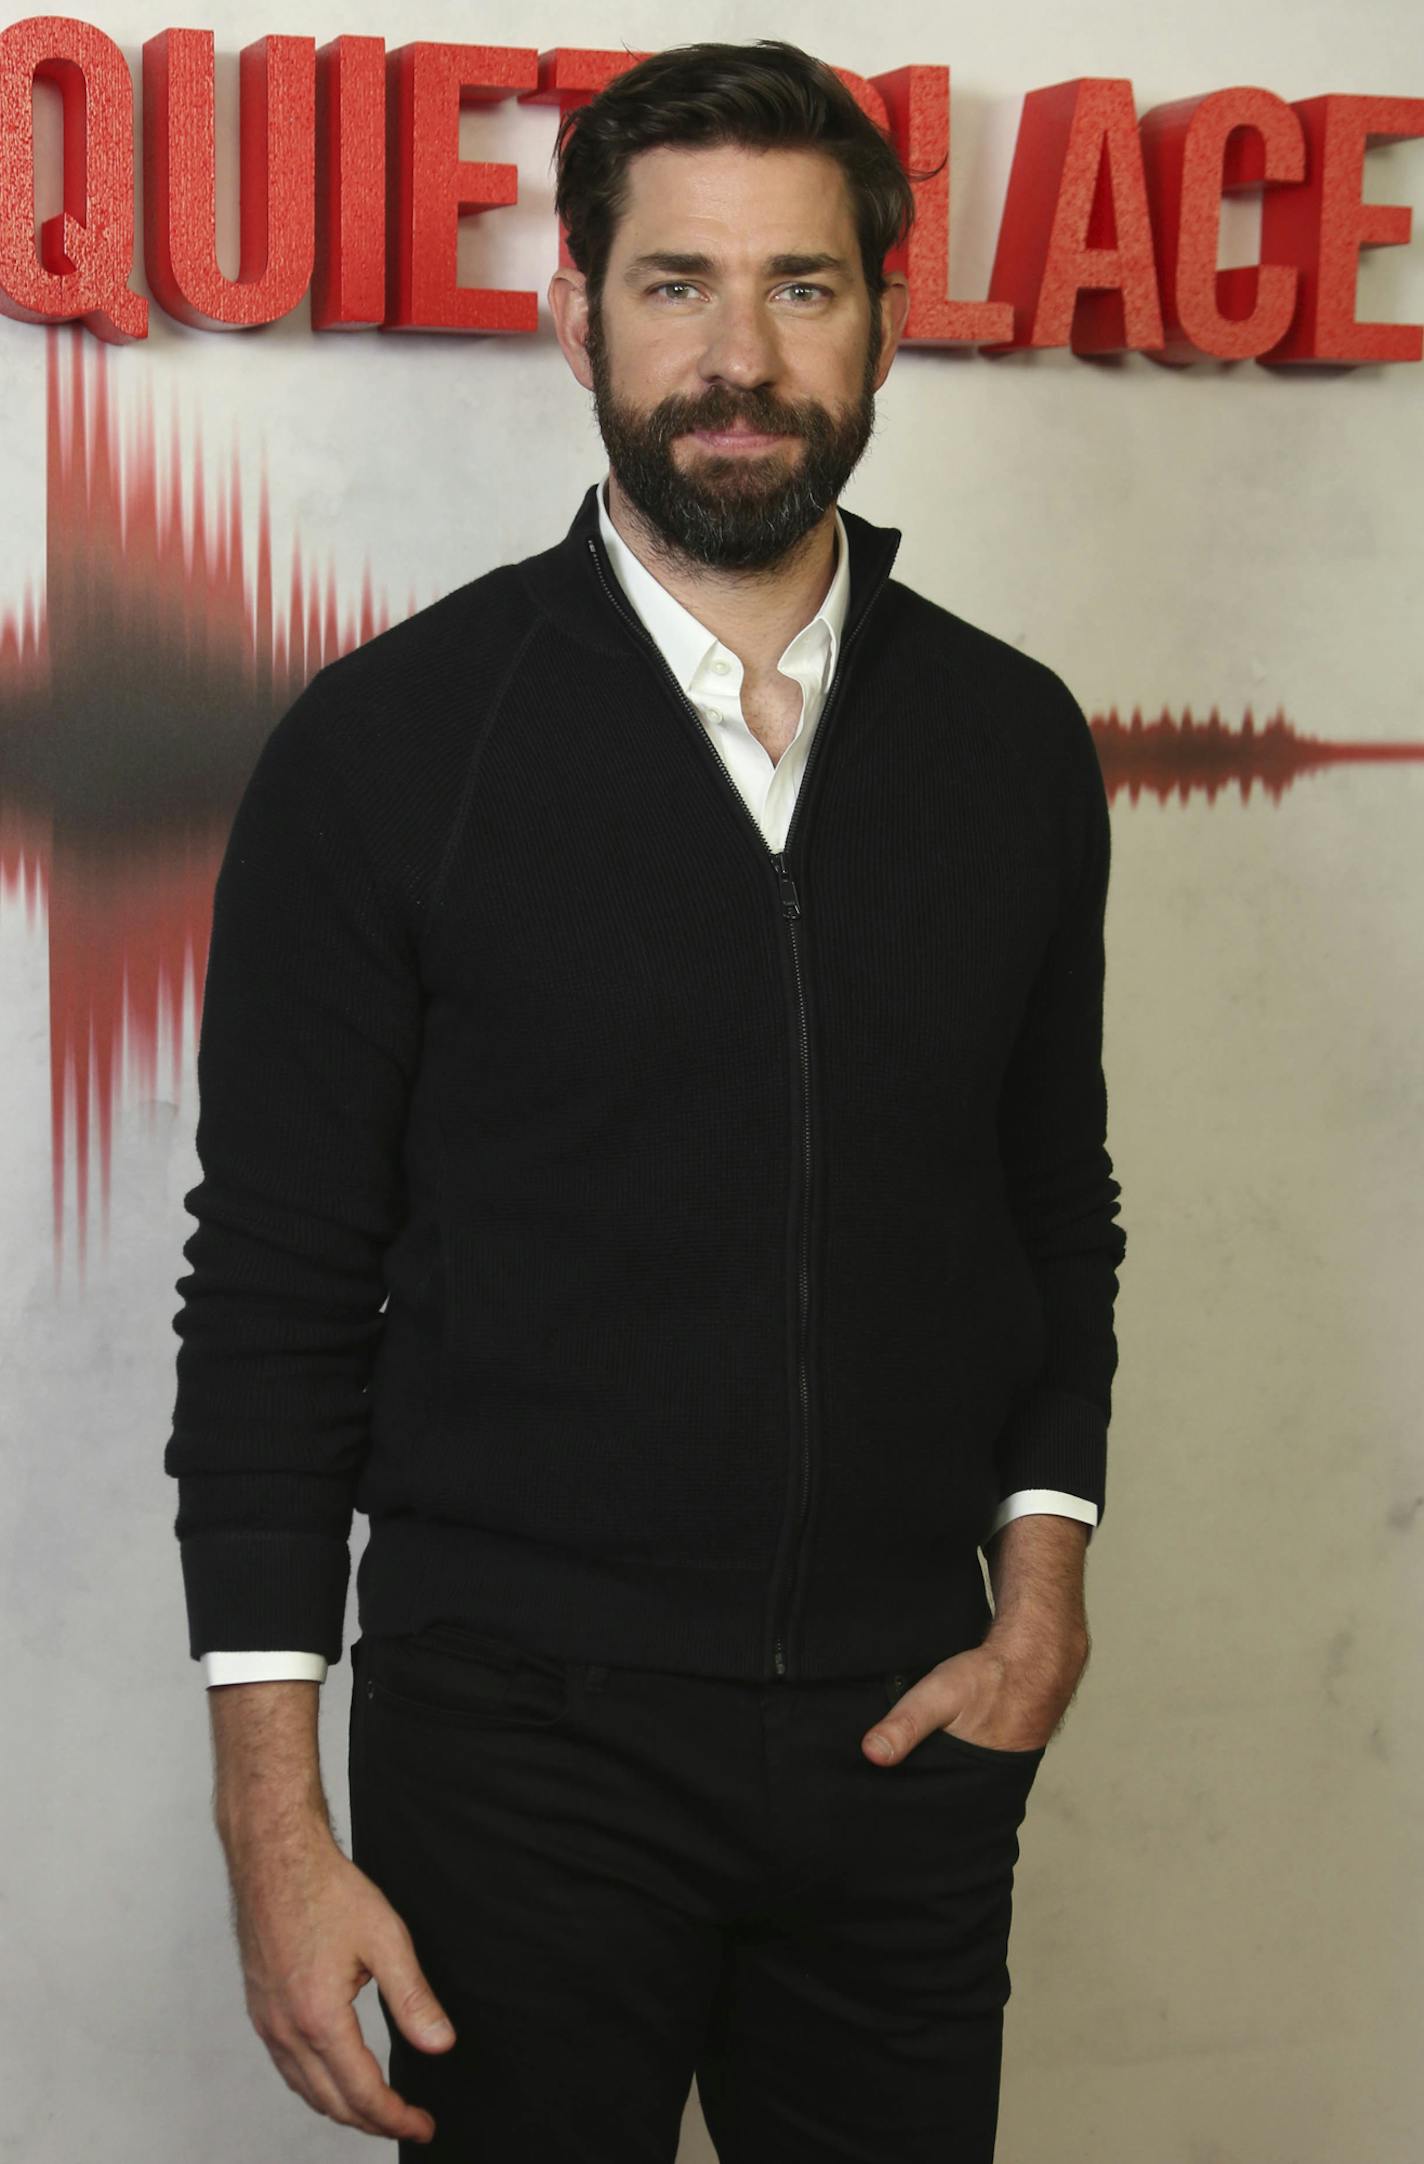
[313, 1930]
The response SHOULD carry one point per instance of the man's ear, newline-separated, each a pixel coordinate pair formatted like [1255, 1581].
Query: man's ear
[568, 305]
[894, 306]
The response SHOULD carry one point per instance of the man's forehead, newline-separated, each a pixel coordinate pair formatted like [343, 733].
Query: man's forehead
[692, 169]
[778, 202]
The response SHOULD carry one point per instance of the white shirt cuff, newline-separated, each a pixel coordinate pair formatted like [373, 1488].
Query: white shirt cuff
[1052, 1501]
[264, 1668]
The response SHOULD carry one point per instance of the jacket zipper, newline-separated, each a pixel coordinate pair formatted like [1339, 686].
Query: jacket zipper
[790, 910]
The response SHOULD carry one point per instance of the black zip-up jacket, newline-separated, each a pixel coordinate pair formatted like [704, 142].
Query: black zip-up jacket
[675, 1248]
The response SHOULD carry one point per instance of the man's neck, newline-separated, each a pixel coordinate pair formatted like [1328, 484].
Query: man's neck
[754, 613]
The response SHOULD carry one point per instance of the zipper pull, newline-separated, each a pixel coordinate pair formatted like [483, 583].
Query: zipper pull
[790, 906]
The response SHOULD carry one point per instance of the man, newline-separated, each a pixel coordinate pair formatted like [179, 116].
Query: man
[668, 971]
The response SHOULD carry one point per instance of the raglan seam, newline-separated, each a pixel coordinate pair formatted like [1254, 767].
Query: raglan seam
[477, 750]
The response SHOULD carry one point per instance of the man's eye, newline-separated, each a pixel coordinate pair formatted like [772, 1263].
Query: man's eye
[682, 285]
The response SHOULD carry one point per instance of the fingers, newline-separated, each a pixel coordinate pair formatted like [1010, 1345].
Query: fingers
[313, 1930]
[333, 2068]
[305, 2075]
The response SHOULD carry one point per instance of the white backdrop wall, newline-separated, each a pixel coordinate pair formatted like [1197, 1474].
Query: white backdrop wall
[1217, 1939]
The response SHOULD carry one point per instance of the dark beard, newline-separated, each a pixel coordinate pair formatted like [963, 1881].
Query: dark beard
[738, 512]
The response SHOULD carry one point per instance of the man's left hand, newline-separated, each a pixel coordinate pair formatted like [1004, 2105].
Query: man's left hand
[1008, 1693]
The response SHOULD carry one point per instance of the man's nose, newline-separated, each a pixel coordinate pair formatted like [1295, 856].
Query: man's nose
[742, 346]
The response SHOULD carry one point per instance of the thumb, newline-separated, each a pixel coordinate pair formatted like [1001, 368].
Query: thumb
[418, 2013]
[909, 1720]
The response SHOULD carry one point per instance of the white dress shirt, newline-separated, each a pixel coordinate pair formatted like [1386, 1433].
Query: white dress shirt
[711, 675]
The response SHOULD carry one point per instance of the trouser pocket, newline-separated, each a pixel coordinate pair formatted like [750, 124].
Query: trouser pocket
[451, 1673]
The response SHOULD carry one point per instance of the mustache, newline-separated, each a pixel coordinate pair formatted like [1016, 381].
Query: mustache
[721, 413]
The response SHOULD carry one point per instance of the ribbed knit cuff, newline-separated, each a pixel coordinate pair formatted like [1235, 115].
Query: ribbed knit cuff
[252, 1590]
[1055, 1440]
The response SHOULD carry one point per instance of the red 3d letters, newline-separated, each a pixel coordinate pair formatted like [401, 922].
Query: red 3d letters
[79, 271]
[351, 190]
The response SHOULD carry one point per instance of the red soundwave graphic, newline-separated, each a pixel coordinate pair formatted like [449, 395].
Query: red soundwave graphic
[133, 701]
[1183, 758]
[136, 693]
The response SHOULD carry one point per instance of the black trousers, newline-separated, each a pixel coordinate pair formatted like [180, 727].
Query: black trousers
[619, 1878]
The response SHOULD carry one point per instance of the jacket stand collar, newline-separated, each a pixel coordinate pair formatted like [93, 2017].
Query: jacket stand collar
[565, 582]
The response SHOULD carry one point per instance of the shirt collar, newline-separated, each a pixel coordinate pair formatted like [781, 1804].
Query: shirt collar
[688, 645]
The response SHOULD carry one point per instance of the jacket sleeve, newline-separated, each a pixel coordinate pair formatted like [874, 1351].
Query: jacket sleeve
[308, 1045]
[1059, 1177]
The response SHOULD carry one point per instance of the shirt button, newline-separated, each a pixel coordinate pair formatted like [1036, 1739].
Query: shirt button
[721, 667]
[711, 713]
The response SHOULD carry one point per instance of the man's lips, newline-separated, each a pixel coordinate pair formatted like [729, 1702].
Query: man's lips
[735, 439]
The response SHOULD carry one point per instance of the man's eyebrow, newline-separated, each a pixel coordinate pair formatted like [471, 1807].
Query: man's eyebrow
[701, 266]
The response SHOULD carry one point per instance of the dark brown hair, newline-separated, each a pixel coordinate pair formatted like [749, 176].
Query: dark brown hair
[770, 95]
